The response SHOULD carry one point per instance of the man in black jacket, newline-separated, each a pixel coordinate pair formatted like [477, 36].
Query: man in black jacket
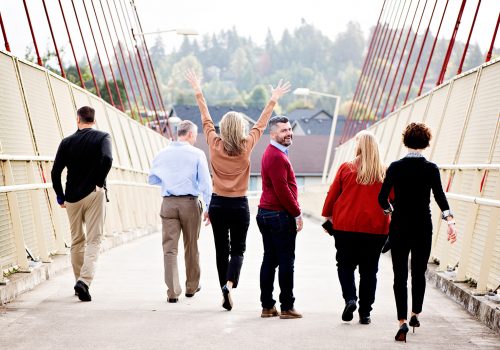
[87, 156]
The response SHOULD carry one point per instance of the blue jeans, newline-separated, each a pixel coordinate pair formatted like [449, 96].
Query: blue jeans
[279, 231]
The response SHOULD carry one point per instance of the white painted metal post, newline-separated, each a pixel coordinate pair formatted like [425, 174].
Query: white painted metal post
[489, 244]
[468, 229]
[330, 139]
[15, 216]
[37, 215]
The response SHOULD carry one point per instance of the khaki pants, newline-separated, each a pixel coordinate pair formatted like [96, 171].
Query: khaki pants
[85, 245]
[181, 213]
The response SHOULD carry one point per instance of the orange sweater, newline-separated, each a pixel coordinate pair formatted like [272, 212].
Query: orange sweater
[231, 173]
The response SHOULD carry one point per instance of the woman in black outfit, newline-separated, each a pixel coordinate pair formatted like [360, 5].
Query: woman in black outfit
[413, 178]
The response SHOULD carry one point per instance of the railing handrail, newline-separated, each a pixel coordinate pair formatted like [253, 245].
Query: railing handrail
[41, 186]
[28, 158]
[26, 187]
[490, 166]
[471, 199]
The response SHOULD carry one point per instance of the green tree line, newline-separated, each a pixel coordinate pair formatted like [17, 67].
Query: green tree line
[236, 71]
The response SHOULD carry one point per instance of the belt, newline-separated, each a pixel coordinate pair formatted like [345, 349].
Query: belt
[181, 196]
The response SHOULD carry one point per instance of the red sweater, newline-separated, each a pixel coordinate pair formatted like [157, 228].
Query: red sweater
[279, 187]
[354, 207]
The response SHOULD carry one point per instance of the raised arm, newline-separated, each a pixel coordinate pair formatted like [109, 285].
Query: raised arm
[206, 120]
[260, 126]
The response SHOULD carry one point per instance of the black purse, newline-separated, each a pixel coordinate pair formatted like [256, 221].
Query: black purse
[387, 245]
[328, 226]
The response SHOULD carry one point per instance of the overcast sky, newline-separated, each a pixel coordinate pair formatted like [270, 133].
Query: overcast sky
[253, 18]
[250, 18]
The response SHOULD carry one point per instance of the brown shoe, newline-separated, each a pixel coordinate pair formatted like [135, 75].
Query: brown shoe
[269, 312]
[289, 314]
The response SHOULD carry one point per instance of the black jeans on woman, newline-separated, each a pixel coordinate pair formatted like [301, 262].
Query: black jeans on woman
[358, 249]
[279, 232]
[230, 218]
[418, 242]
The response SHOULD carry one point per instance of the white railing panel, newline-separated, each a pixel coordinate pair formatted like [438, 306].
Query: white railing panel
[40, 107]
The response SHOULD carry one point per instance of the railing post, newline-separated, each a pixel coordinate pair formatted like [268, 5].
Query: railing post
[3, 280]
[37, 215]
[445, 260]
[15, 216]
[489, 244]
[468, 230]
[56, 212]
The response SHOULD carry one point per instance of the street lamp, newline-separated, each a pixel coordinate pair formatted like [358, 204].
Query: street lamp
[307, 92]
[178, 31]
[174, 122]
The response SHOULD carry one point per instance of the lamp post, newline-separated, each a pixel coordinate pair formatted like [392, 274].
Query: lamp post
[174, 122]
[307, 92]
[178, 31]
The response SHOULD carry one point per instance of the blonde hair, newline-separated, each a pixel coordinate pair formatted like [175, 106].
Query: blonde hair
[233, 133]
[370, 167]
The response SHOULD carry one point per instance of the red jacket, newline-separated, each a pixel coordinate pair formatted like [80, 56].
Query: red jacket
[354, 207]
[279, 187]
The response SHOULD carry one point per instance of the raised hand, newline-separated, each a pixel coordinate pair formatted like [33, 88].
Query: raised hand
[279, 90]
[193, 80]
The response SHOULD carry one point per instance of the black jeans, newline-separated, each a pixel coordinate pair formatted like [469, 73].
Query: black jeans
[279, 232]
[418, 243]
[230, 218]
[358, 249]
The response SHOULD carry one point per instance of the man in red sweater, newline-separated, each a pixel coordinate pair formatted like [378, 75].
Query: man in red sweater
[279, 219]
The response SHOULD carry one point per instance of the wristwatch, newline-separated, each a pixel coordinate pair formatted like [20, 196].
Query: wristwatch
[389, 210]
[447, 213]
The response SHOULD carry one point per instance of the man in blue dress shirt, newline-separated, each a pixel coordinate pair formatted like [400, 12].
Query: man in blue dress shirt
[182, 171]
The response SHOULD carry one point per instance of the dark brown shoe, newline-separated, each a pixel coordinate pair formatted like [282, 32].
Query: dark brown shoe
[190, 295]
[289, 314]
[269, 312]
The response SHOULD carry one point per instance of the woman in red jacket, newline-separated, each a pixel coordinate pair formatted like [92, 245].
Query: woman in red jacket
[360, 226]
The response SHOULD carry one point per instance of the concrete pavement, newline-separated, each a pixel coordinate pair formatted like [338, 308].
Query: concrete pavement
[129, 308]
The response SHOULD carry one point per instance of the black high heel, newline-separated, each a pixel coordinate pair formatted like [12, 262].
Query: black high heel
[414, 322]
[401, 334]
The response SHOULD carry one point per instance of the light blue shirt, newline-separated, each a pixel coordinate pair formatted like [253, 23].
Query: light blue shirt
[182, 169]
[279, 146]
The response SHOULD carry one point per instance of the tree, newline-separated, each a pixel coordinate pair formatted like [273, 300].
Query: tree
[177, 79]
[258, 97]
[114, 93]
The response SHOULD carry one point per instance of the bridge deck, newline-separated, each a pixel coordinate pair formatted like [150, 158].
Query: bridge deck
[129, 310]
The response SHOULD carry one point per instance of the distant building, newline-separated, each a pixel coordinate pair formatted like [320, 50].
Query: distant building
[311, 129]
[307, 155]
[315, 122]
[192, 113]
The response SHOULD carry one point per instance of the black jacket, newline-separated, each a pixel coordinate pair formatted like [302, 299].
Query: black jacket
[413, 179]
[87, 156]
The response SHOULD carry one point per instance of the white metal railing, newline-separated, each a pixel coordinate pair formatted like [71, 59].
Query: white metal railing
[30, 217]
[469, 166]
[476, 200]
[125, 191]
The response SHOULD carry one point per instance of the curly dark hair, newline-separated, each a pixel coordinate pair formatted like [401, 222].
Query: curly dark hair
[417, 136]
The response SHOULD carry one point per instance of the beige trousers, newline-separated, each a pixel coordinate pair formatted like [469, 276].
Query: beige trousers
[85, 244]
[181, 214]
